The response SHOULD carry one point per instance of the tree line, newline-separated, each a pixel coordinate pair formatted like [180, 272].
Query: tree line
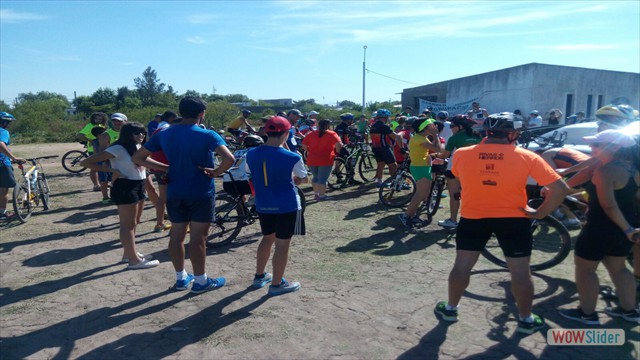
[45, 117]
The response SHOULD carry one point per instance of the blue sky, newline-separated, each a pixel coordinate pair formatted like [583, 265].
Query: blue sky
[301, 49]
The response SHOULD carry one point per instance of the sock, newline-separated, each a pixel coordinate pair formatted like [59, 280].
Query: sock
[528, 319]
[261, 276]
[449, 307]
[181, 275]
[201, 279]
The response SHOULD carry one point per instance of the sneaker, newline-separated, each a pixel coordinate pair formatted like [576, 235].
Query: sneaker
[571, 222]
[107, 201]
[558, 214]
[284, 288]
[7, 216]
[96, 188]
[145, 257]
[447, 315]
[210, 285]
[184, 283]
[387, 185]
[577, 315]
[260, 282]
[323, 197]
[608, 293]
[406, 221]
[144, 264]
[526, 327]
[161, 228]
[355, 182]
[631, 315]
[443, 195]
[406, 186]
[448, 223]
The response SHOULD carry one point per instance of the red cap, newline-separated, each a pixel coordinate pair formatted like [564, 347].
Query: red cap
[277, 124]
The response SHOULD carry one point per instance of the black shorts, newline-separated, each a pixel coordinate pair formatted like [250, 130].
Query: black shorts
[199, 209]
[125, 191]
[7, 180]
[242, 186]
[283, 225]
[513, 234]
[384, 154]
[596, 241]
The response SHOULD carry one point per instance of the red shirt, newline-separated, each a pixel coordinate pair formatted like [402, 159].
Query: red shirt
[321, 151]
[406, 136]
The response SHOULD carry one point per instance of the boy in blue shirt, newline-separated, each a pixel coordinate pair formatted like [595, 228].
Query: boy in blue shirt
[7, 180]
[275, 173]
[190, 190]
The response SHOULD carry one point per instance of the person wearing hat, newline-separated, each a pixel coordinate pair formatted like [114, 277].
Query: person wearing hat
[275, 172]
[104, 140]
[191, 190]
[236, 125]
[293, 115]
[7, 179]
[612, 227]
[97, 119]
[534, 120]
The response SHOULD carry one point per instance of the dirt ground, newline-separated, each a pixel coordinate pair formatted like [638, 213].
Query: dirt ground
[369, 287]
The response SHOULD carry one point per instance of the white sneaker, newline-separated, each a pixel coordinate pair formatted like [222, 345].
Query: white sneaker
[571, 222]
[448, 223]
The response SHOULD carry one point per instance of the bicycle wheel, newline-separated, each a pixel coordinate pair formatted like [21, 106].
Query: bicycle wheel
[551, 245]
[397, 190]
[228, 222]
[433, 201]
[71, 161]
[23, 203]
[367, 166]
[43, 189]
[338, 177]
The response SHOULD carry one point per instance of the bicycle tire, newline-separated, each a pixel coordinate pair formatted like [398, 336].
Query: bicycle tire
[43, 189]
[338, 178]
[71, 161]
[551, 245]
[367, 166]
[228, 223]
[433, 201]
[392, 193]
[22, 205]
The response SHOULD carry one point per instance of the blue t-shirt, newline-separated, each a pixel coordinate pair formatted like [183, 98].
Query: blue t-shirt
[187, 147]
[152, 127]
[291, 140]
[271, 172]
[5, 138]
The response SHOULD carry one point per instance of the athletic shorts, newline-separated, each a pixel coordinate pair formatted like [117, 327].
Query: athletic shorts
[596, 241]
[283, 225]
[242, 186]
[384, 154]
[7, 180]
[421, 172]
[199, 209]
[125, 191]
[513, 234]
[320, 174]
[102, 175]
[161, 177]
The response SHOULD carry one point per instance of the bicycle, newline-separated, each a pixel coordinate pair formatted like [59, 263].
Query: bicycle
[232, 214]
[71, 160]
[397, 190]
[344, 170]
[32, 190]
[551, 243]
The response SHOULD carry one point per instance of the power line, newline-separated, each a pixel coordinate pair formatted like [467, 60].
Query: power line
[392, 78]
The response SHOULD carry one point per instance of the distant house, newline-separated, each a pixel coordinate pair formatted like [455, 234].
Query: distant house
[277, 102]
[70, 111]
[529, 87]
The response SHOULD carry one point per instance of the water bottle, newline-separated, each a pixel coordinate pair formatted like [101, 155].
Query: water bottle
[352, 161]
[34, 178]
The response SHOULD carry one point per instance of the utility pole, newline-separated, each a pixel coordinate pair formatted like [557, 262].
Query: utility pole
[364, 61]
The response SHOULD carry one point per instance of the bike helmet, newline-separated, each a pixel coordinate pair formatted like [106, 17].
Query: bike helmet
[246, 112]
[616, 115]
[442, 115]
[503, 122]
[346, 117]
[463, 121]
[383, 113]
[5, 116]
[252, 141]
[313, 112]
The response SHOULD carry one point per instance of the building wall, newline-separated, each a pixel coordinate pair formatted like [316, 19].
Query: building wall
[533, 87]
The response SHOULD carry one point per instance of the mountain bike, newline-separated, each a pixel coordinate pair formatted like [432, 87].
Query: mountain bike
[32, 189]
[71, 160]
[232, 214]
[344, 169]
[551, 243]
[397, 190]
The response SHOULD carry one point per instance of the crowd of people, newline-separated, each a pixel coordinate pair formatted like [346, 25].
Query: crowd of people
[487, 177]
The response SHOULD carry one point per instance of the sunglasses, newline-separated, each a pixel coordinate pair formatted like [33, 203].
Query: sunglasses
[139, 133]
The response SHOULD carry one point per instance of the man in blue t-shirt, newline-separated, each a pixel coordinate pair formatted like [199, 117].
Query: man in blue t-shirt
[7, 180]
[293, 115]
[275, 173]
[190, 189]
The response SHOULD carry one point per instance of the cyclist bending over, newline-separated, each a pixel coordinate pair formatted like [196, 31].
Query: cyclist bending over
[382, 141]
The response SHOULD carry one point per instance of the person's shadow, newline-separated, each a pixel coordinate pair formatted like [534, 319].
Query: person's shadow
[429, 345]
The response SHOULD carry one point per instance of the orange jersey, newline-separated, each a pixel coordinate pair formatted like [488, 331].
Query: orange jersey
[494, 177]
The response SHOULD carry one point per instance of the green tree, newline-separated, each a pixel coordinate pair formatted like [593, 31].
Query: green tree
[236, 98]
[121, 96]
[42, 95]
[219, 114]
[149, 87]
[4, 107]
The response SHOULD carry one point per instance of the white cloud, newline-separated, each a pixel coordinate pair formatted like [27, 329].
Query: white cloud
[10, 16]
[576, 47]
[196, 40]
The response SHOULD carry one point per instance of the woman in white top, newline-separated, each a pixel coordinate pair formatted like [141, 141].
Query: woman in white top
[127, 190]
